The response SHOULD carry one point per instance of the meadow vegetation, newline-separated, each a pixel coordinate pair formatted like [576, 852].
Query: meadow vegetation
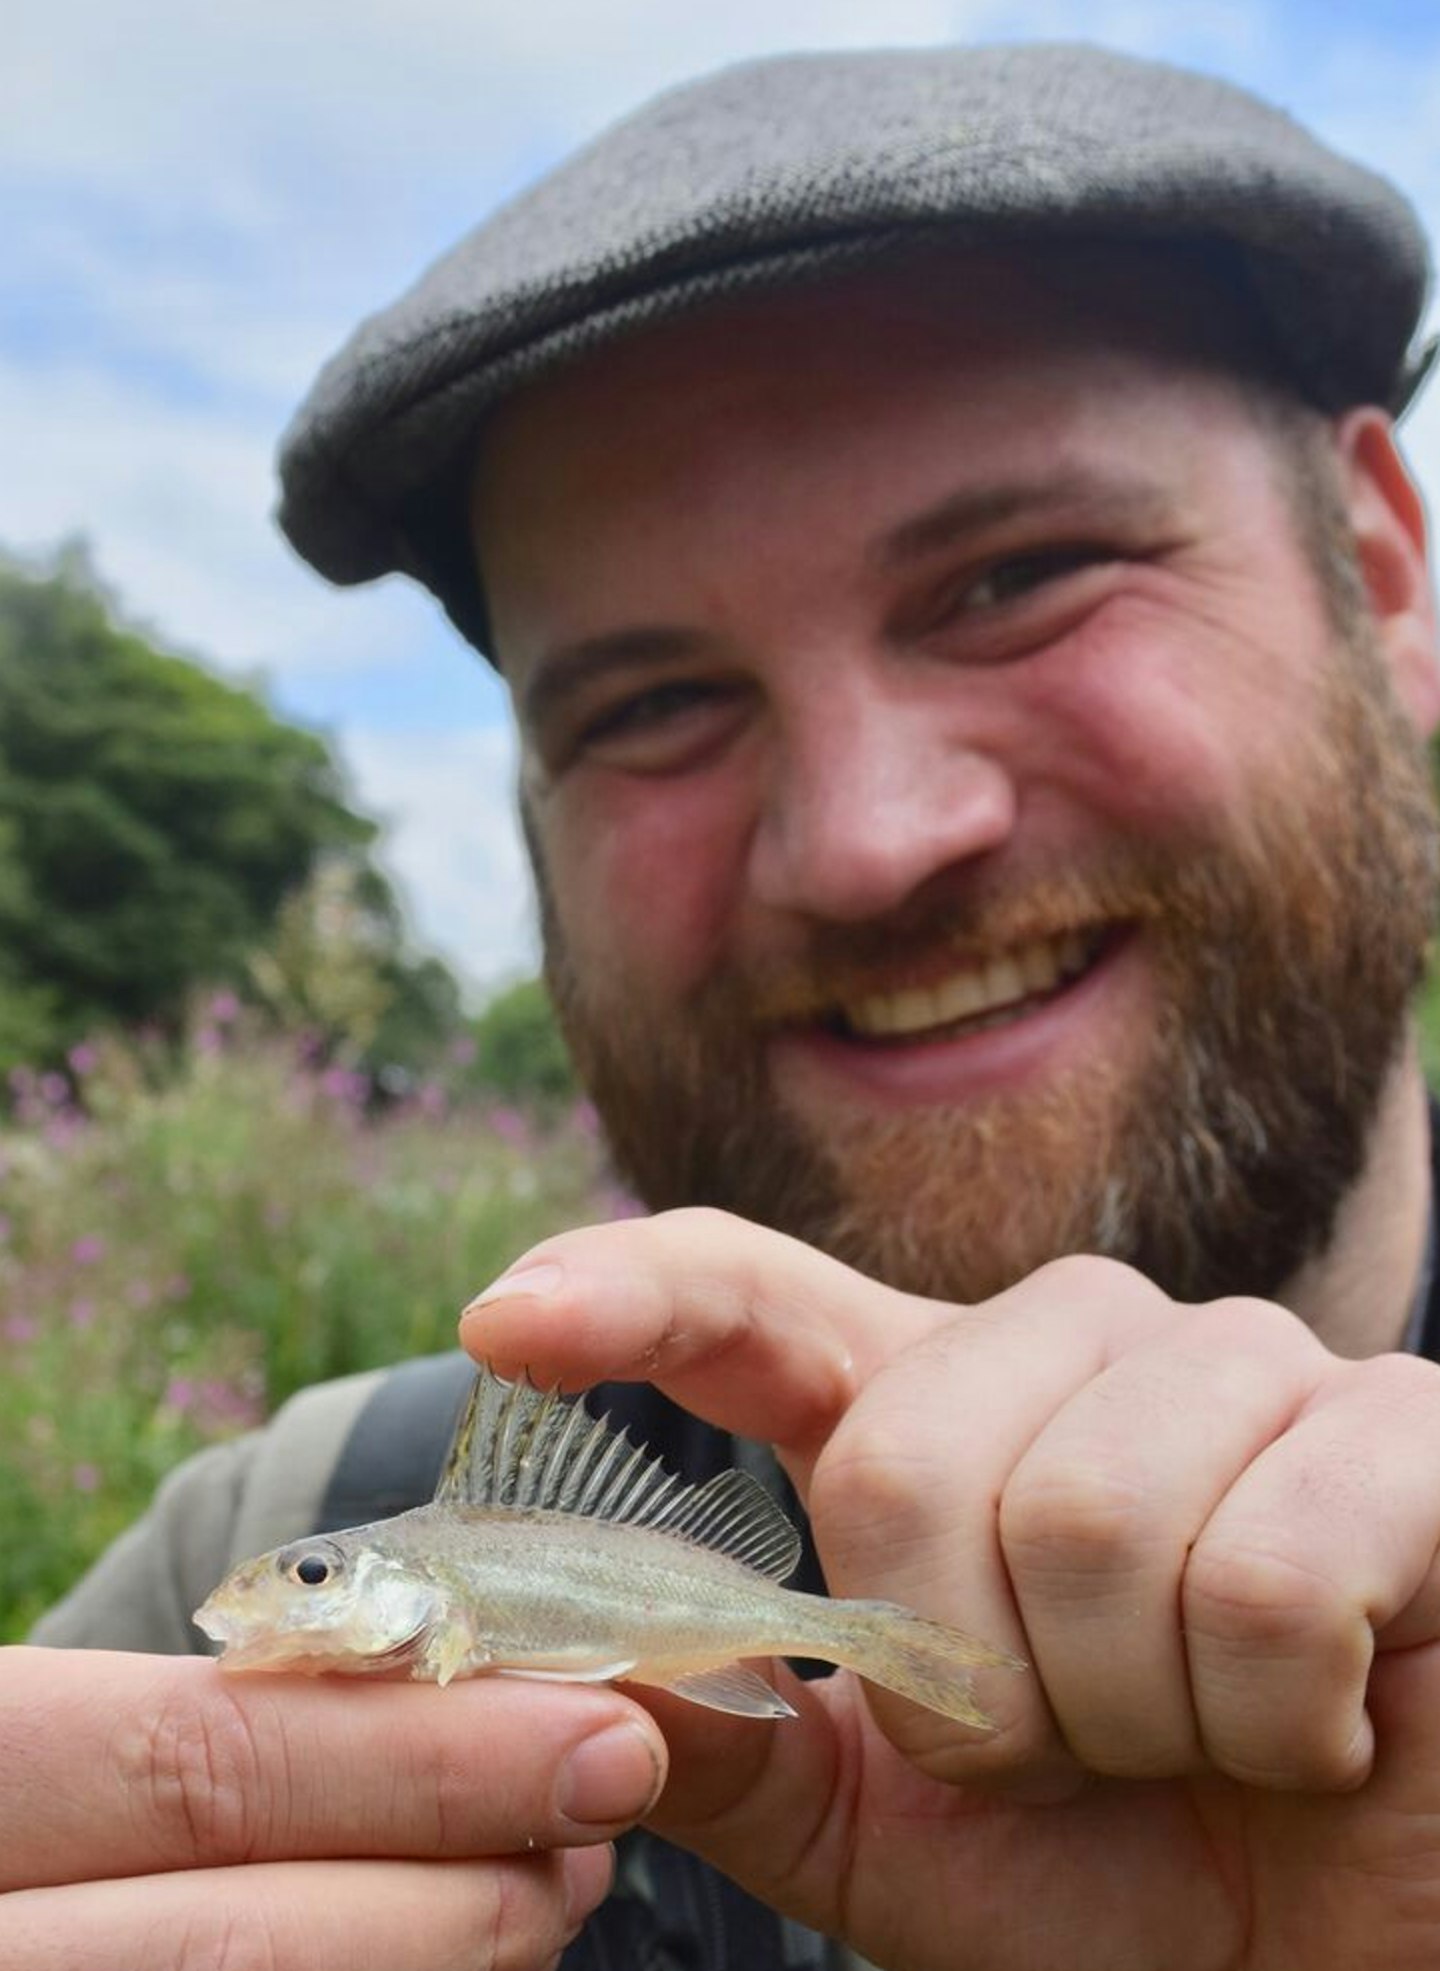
[186, 1239]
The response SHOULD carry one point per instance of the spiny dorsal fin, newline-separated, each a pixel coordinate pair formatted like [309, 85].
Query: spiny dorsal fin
[519, 1447]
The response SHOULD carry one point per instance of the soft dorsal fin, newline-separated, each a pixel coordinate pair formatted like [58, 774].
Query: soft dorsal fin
[520, 1448]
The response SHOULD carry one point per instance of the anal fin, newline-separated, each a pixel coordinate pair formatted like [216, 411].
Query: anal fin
[730, 1688]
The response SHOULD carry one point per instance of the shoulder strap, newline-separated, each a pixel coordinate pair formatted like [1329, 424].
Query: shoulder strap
[391, 1459]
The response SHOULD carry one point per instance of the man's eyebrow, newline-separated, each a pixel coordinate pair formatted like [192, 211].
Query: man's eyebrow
[564, 669]
[1091, 496]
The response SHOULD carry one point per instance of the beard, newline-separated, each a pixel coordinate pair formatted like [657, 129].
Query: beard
[1284, 949]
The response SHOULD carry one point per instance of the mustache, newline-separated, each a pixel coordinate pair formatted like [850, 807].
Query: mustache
[944, 929]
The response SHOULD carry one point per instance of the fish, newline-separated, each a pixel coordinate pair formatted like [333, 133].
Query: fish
[555, 1548]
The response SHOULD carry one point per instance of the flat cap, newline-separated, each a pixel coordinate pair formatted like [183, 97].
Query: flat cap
[777, 170]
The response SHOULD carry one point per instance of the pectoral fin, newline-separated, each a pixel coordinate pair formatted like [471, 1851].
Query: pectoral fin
[449, 1649]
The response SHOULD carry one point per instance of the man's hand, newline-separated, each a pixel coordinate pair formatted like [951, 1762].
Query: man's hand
[156, 1813]
[1213, 1541]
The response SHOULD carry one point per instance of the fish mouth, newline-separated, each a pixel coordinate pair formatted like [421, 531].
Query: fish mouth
[970, 997]
[302, 1653]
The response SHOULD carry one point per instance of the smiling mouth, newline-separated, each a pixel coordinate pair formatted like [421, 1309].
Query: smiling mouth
[973, 997]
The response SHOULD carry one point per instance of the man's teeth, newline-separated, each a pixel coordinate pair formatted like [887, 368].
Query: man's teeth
[977, 991]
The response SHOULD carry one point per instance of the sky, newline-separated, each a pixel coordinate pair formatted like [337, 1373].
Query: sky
[199, 203]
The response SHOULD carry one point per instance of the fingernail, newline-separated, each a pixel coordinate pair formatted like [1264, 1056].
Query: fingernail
[589, 1873]
[610, 1778]
[535, 1282]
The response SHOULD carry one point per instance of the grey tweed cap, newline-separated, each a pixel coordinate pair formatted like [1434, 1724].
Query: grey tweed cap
[779, 170]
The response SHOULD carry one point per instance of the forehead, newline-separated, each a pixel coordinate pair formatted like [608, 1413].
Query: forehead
[856, 392]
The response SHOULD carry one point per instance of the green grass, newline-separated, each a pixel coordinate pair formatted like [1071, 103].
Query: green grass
[186, 1250]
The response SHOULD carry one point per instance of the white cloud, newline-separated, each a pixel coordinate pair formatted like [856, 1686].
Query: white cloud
[176, 503]
[452, 839]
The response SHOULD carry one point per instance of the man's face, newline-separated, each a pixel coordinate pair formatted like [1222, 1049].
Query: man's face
[964, 833]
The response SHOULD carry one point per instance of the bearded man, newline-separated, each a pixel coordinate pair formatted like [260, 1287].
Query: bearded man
[940, 521]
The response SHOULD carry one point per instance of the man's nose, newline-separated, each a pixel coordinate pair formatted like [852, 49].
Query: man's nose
[866, 803]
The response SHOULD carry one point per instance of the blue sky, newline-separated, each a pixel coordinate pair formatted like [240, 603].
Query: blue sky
[198, 203]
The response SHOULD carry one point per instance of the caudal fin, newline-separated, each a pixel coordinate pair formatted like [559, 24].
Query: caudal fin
[925, 1661]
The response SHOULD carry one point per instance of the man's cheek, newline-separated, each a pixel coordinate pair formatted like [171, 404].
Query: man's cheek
[654, 901]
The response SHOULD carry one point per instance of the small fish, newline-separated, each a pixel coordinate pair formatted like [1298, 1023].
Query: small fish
[555, 1548]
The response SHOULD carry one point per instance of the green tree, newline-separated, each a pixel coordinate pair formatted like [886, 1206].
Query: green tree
[519, 1054]
[153, 819]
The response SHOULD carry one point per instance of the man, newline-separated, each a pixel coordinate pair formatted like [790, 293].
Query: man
[969, 624]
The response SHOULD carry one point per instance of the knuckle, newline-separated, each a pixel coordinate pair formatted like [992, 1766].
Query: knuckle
[444, 1816]
[1255, 1597]
[1060, 1518]
[873, 1478]
[1406, 1386]
[692, 1228]
[199, 1771]
[1091, 1277]
[500, 1931]
[217, 1936]
[1248, 1323]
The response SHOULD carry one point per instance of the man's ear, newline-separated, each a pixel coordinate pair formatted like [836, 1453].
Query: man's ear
[1388, 518]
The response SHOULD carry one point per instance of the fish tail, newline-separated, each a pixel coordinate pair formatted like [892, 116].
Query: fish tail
[928, 1662]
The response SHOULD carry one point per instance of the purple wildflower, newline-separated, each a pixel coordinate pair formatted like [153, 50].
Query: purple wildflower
[182, 1394]
[82, 1314]
[346, 1086]
[223, 1009]
[84, 1058]
[62, 1128]
[19, 1327]
[226, 1403]
[510, 1126]
[86, 1478]
[88, 1250]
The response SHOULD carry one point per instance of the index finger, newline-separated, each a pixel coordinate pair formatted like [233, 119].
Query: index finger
[120, 1765]
[753, 1331]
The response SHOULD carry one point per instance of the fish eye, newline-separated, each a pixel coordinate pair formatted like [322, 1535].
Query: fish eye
[311, 1567]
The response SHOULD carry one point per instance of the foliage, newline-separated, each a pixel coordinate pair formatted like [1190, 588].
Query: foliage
[153, 823]
[187, 1249]
[519, 1054]
[334, 967]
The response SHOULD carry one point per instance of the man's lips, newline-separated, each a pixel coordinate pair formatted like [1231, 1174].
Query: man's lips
[972, 996]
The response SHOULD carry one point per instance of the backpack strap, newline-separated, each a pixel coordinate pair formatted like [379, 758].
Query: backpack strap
[392, 1457]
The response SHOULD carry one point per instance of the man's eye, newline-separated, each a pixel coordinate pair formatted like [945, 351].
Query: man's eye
[1009, 581]
[648, 710]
